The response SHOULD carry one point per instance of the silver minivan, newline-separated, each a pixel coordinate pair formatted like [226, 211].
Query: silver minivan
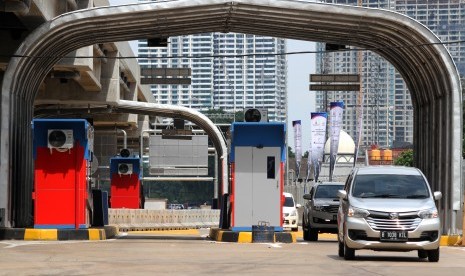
[388, 209]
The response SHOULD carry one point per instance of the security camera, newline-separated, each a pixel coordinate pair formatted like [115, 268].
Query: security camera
[256, 115]
[125, 153]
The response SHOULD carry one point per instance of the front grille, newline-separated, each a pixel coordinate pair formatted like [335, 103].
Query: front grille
[408, 221]
[330, 208]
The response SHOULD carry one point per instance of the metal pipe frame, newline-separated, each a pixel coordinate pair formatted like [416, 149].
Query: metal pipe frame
[419, 56]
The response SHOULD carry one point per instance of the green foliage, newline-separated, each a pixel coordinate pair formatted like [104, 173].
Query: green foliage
[290, 153]
[405, 159]
[239, 116]
[306, 154]
[219, 116]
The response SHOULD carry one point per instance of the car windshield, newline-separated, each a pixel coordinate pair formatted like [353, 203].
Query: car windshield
[327, 191]
[390, 186]
[288, 202]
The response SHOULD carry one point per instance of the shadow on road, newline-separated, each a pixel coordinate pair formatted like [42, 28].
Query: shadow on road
[319, 241]
[161, 237]
[364, 258]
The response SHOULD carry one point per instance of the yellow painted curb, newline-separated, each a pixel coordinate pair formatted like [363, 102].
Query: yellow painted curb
[219, 237]
[95, 234]
[245, 237]
[41, 234]
[449, 240]
[294, 237]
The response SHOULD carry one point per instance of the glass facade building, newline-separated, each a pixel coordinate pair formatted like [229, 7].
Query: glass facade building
[387, 106]
[228, 72]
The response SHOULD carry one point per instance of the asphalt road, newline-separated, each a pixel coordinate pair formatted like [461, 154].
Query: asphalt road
[189, 253]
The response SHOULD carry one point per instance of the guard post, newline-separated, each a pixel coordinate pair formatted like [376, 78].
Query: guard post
[257, 161]
[126, 189]
[62, 152]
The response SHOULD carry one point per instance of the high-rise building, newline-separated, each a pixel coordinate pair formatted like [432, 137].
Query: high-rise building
[387, 106]
[225, 72]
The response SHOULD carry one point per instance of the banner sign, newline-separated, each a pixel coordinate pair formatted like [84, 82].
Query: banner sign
[318, 130]
[335, 122]
[297, 125]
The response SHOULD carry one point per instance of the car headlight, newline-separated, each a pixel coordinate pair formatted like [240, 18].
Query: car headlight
[294, 213]
[428, 213]
[318, 208]
[357, 213]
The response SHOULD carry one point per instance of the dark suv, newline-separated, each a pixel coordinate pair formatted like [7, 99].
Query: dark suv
[320, 211]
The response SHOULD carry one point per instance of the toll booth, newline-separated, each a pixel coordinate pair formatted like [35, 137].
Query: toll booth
[126, 189]
[62, 152]
[257, 159]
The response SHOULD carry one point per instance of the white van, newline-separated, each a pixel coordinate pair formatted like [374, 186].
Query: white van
[388, 208]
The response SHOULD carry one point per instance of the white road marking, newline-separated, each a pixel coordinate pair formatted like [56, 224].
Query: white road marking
[274, 245]
[17, 243]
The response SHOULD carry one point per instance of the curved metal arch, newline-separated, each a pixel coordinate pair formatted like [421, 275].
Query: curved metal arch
[428, 70]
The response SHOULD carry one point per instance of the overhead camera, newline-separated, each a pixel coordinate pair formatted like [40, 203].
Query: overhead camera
[125, 153]
[256, 115]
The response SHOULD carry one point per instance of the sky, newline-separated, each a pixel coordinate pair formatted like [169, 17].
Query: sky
[301, 101]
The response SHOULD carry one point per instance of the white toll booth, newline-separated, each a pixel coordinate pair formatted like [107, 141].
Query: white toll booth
[257, 158]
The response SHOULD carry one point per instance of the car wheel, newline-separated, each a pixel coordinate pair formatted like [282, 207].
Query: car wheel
[340, 251]
[422, 254]
[305, 230]
[433, 255]
[349, 253]
[313, 234]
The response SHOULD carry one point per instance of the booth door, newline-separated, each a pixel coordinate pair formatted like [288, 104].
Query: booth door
[257, 188]
[266, 188]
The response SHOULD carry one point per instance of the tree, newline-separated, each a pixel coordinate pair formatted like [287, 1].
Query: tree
[239, 116]
[405, 159]
[220, 116]
[306, 154]
[290, 153]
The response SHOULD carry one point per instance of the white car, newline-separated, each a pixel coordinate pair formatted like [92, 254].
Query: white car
[391, 209]
[290, 214]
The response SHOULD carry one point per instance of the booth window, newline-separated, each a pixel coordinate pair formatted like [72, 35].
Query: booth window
[270, 167]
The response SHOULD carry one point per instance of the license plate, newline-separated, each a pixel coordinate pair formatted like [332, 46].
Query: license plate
[399, 236]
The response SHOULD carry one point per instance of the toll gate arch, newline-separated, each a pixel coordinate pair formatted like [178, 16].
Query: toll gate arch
[414, 50]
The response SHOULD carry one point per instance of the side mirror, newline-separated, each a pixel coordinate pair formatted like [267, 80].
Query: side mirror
[437, 195]
[342, 194]
[298, 206]
[307, 197]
